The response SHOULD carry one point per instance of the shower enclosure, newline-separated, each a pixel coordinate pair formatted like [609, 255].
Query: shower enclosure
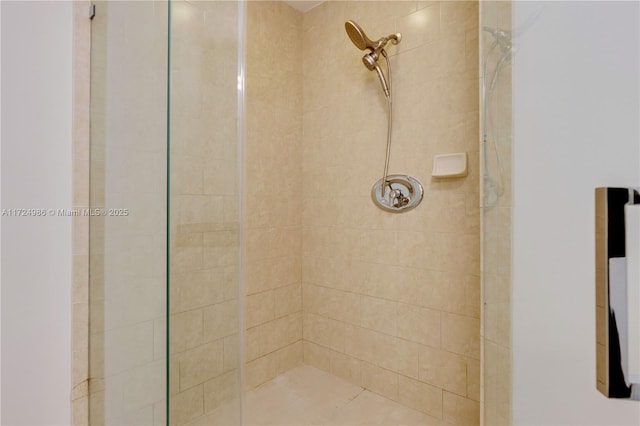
[233, 149]
[164, 272]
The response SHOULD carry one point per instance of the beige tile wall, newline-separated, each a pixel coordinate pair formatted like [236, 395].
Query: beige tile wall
[392, 301]
[273, 185]
[497, 230]
[204, 223]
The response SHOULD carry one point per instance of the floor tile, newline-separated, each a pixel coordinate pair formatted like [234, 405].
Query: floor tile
[308, 396]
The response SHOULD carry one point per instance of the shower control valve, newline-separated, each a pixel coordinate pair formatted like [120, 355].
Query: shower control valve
[397, 198]
[393, 198]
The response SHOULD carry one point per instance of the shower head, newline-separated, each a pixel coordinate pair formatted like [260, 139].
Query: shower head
[370, 60]
[362, 42]
[357, 35]
[502, 38]
[504, 43]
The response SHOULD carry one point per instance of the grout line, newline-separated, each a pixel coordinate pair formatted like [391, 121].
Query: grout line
[354, 397]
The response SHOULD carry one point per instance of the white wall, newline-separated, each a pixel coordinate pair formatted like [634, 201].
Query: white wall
[576, 127]
[36, 173]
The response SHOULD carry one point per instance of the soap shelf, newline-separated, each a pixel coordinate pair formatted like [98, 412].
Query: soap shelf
[450, 165]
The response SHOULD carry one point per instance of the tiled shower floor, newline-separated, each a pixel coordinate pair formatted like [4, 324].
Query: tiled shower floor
[308, 396]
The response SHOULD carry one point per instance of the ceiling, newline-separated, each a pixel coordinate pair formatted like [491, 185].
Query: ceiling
[303, 5]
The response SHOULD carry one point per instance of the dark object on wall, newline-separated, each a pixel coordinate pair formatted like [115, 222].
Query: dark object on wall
[612, 328]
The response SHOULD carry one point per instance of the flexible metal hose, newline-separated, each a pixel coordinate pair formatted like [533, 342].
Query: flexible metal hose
[389, 121]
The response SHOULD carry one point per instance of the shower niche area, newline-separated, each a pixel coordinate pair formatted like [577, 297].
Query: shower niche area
[246, 275]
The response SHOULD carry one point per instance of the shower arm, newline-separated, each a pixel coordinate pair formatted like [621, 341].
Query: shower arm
[390, 117]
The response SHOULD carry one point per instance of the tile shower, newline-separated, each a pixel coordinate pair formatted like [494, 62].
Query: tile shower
[391, 301]
[279, 233]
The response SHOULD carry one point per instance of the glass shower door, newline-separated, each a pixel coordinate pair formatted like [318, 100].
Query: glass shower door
[127, 261]
[204, 226]
[165, 236]
[496, 141]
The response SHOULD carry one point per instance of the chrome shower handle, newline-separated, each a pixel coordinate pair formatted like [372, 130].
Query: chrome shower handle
[397, 199]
